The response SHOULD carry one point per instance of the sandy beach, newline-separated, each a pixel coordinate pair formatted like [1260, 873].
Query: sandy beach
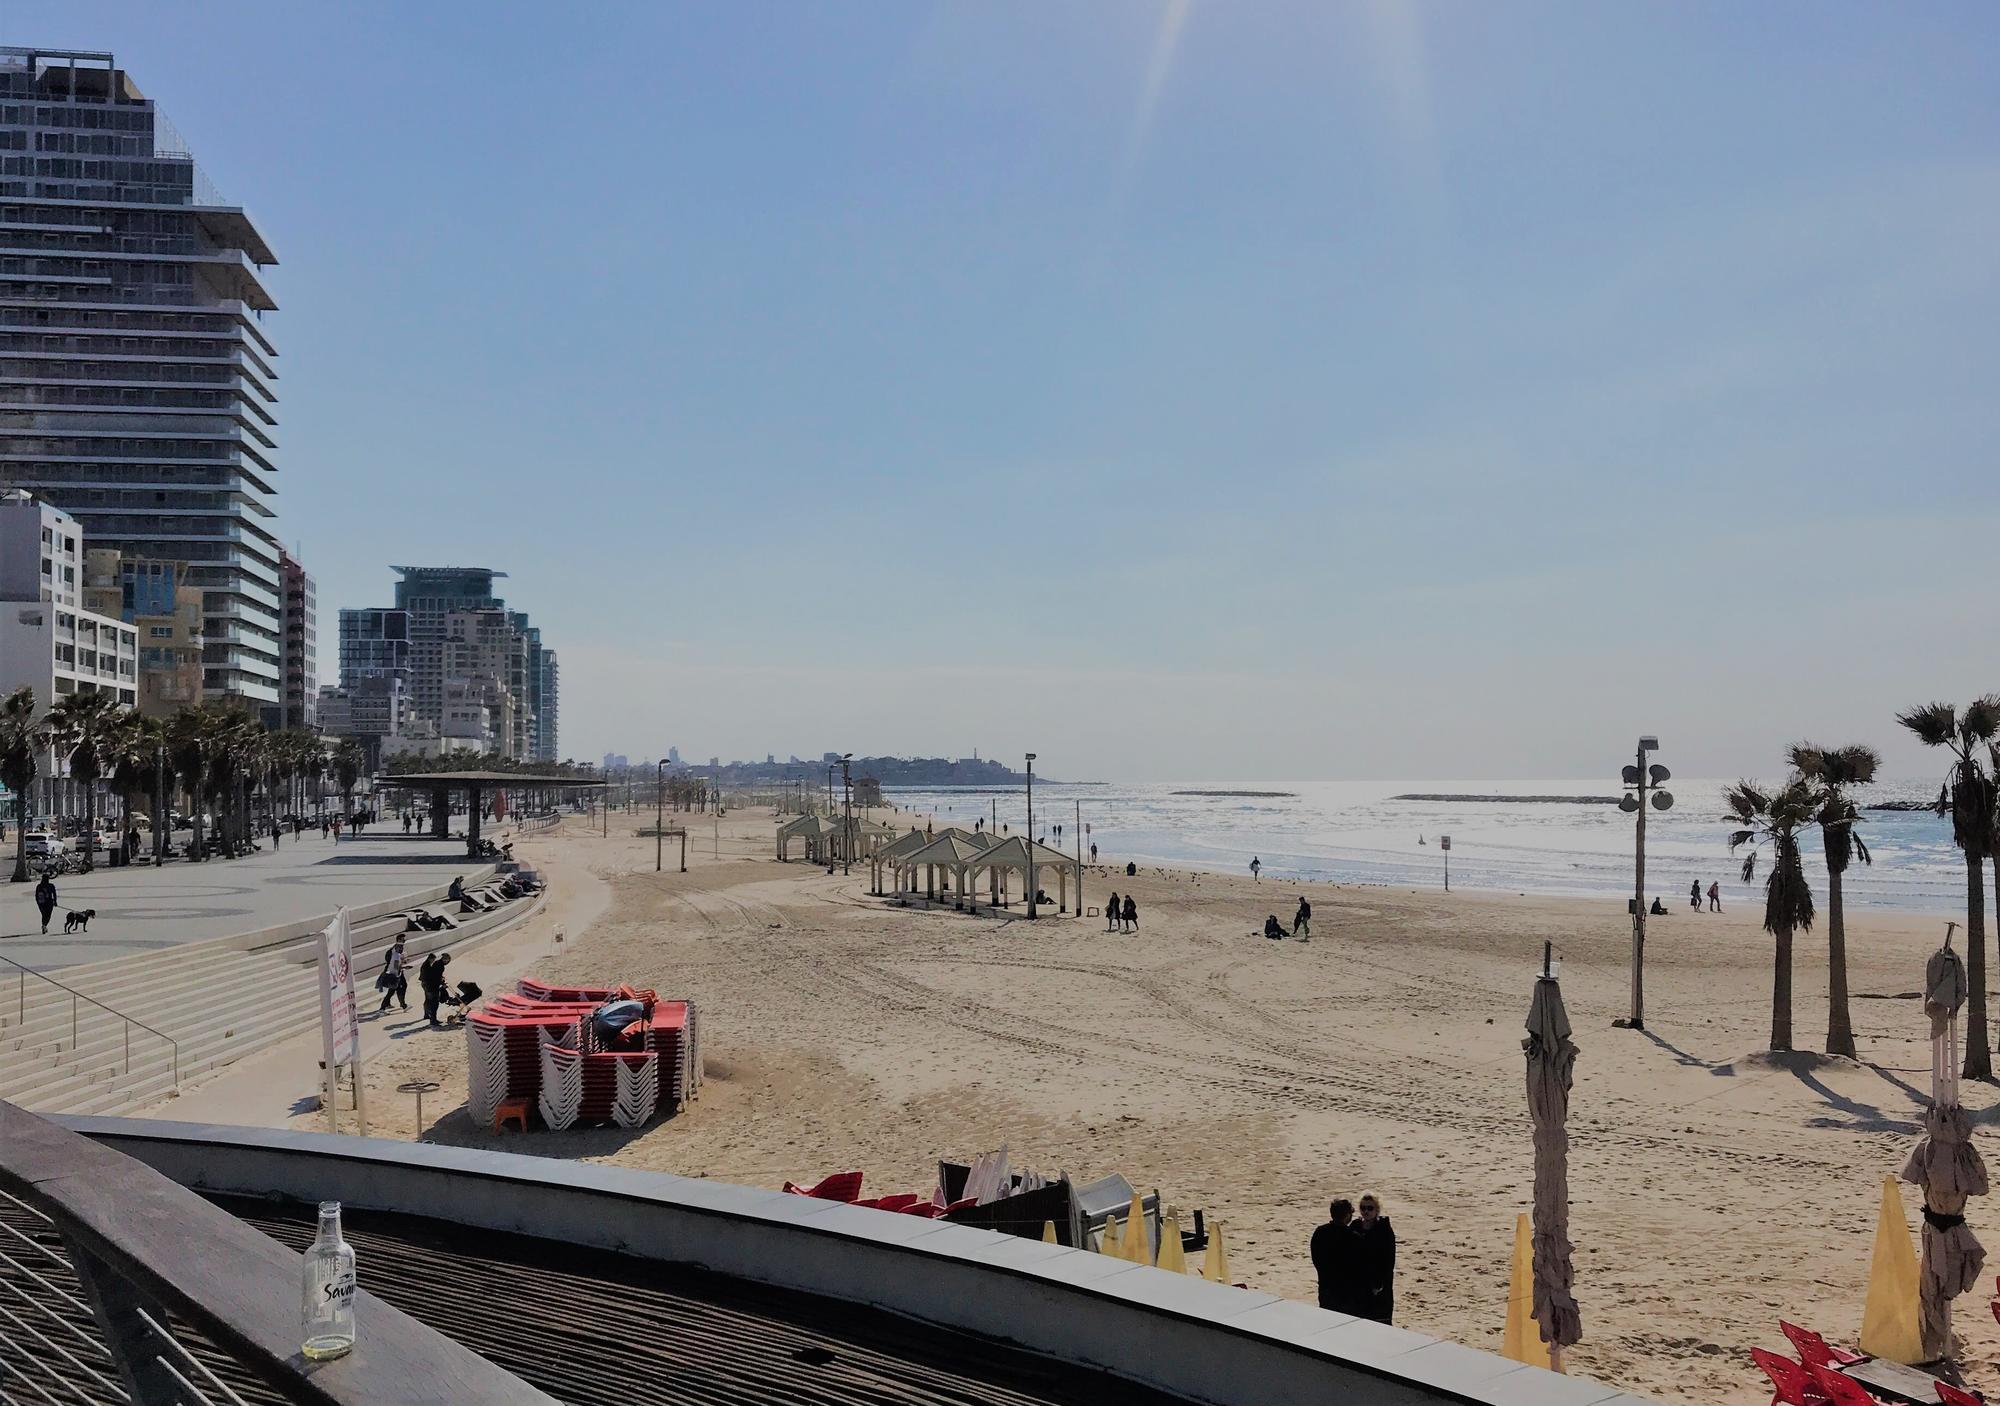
[1713, 1191]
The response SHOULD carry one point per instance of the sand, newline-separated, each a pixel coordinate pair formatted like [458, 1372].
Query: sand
[1714, 1190]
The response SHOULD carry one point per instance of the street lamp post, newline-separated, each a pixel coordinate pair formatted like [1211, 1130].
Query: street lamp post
[659, 815]
[1029, 841]
[1643, 783]
[847, 812]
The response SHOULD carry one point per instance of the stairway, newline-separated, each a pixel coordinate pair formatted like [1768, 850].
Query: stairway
[218, 999]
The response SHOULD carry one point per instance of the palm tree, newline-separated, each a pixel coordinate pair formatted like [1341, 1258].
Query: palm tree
[139, 769]
[23, 739]
[83, 726]
[194, 733]
[1836, 769]
[349, 760]
[1968, 798]
[1773, 819]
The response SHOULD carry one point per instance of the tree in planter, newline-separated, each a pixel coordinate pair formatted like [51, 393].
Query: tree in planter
[1836, 770]
[1967, 796]
[23, 739]
[1772, 820]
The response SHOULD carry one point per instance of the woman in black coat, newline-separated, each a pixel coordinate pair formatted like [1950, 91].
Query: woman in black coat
[1376, 1262]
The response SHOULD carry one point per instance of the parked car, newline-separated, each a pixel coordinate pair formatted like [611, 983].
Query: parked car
[42, 844]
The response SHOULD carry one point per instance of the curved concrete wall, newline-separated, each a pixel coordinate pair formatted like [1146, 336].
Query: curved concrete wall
[1205, 1342]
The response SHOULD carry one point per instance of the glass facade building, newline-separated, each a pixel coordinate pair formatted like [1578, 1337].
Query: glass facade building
[135, 372]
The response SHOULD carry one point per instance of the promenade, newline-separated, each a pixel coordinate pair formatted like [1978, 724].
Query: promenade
[143, 909]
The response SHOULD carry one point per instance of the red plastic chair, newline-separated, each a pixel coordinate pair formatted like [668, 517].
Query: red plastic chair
[1814, 1350]
[1841, 1390]
[1950, 1395]
[841, 1186]
[1792, 1380]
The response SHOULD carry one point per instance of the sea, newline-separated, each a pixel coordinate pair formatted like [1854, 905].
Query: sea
[1369, 832]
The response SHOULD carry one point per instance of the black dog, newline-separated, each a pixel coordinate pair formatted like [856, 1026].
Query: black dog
[79, 921]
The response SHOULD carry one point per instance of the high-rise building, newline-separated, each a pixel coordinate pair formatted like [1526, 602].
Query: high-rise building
[49, 640]
[548, 708]
[374, 643]
[155, 598]
[430, 594]
[135, 372]
[301, 648]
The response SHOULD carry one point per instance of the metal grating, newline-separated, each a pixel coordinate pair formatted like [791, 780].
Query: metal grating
[52, 1351]
[595, 1328]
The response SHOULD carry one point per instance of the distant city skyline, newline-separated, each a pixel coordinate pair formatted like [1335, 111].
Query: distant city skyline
[1251, 392]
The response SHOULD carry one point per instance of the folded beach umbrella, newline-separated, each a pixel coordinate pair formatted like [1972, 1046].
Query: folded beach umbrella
[1551, 1064]
[1945, 1164]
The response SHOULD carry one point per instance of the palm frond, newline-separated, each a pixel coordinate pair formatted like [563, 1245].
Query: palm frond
[1750, 866]
[1981, 722]
[1935, 724]
[1861, 850]
[1807, 759]
[1739, 838]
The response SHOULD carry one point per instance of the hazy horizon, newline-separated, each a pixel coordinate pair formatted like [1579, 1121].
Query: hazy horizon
[1230, 392]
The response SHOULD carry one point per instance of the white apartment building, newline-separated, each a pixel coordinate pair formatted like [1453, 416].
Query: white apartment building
[47, 640]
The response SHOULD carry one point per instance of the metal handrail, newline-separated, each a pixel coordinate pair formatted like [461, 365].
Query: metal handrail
[21, 1015]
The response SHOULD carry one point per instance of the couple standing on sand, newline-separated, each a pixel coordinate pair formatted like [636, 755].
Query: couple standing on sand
[1355, 1259]
[1123, 919]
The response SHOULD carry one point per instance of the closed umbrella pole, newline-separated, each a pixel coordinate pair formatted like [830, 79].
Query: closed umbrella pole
[1945, 1164]
[1551, 1060]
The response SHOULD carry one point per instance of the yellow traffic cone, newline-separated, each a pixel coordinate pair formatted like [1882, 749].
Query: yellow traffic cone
[1889, 1326]
[1138, 1240]
[1215, 1265]
[1172, 1257]
[1049, 1233]
[1523, 1339]
[1107, 1238]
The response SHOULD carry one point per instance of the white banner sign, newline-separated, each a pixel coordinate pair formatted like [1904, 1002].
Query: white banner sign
[339, 1015]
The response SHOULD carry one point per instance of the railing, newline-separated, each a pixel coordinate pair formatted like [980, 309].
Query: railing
[21, 1015]
[535, 824]
[102, 1258]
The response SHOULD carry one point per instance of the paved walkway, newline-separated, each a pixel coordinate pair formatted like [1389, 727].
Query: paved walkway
[143, 909]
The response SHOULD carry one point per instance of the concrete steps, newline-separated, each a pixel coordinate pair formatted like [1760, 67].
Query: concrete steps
[219, 1000]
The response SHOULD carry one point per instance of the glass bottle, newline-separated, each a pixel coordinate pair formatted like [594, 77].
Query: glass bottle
[328, 1289]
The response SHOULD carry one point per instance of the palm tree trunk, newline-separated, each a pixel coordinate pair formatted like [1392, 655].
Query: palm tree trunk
[1781, 991]
[1839, 1028]
[200, 786]
[21, 836]
[1978, 1049]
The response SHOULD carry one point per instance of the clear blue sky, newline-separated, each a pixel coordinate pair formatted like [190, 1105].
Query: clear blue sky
[1227, 390]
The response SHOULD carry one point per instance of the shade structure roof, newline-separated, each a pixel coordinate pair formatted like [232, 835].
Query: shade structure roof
[908, 845]
[1014, 852]
[951, 847]
[800, 825]
[485, 778]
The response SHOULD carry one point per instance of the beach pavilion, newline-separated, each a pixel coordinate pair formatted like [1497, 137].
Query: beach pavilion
[1016, 852]
[476, 785]
[951, 851]
[801, 827]
[890, 859]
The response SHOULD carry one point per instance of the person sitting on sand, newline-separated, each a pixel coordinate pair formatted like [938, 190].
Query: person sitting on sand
[1131, 914]
[1111, 913]
[1336, 1257]
[1273, 929]
[1302, 921]
[1659, 909]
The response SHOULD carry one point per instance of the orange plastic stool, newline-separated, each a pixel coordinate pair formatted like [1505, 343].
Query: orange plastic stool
[511, 1110]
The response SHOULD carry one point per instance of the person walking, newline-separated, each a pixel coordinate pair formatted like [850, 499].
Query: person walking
[1302, 921]
[1336, 1257]
[1256, 868]
[1093, 851]
[1714, 897]
[277, 830]
[1131, 914]
[45, 899]
[431, 977]
[1376, 1261]
[1694, 895]
[394, 982]
[1111, 913]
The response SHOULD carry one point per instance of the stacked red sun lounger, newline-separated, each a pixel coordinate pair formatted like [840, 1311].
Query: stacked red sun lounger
[541, 1045]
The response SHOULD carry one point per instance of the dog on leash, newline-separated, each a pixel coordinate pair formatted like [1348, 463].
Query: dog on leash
[79, 920]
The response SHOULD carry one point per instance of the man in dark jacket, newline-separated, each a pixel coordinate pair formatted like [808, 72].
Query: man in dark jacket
[1376, 1262]
[431, 977]
[1336, 1255]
